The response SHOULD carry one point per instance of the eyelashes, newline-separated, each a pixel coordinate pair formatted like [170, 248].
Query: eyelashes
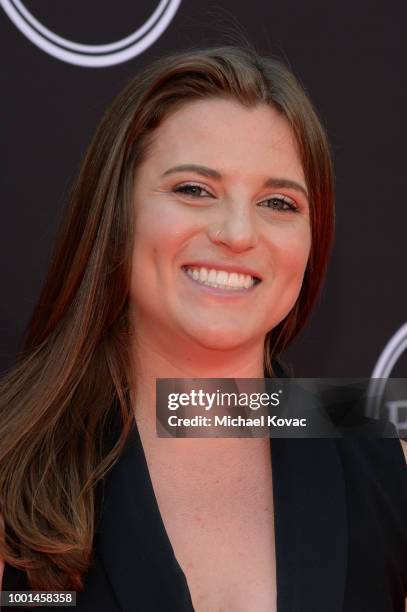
[188, 189]
[280, 203]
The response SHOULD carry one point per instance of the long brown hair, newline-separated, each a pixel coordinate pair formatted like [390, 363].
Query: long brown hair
[56, 403]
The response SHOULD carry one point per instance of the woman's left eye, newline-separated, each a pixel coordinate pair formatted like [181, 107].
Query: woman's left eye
[281, 203]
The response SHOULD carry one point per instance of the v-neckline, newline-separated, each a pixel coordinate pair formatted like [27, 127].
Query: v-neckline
[160, 521]
[310, 523]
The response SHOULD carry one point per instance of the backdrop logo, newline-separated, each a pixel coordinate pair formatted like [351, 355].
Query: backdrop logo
[395, 407]
[91, 56]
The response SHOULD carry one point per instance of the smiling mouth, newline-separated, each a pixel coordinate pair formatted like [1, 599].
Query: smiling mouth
[221, 279]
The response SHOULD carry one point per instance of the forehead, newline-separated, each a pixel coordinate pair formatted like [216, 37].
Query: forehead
[227, 136]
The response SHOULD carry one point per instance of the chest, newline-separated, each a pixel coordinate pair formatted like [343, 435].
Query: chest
[221, 527]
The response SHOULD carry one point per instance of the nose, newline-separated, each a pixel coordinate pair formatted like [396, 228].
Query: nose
[236, 230]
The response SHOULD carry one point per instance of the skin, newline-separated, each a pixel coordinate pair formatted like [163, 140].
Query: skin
[180, 331]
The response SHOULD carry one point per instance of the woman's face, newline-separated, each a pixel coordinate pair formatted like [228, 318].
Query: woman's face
[220, 198]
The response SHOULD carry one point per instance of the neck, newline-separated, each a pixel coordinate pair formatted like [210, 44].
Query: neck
[152, 359]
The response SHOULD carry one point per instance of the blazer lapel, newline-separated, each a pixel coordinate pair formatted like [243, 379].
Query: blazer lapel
[310, 524]
[132, 542]
[310, 531]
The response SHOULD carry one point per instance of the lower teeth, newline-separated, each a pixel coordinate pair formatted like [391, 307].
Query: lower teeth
[227, 287]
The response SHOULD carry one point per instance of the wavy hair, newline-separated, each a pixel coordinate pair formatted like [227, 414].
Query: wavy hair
[57, 401]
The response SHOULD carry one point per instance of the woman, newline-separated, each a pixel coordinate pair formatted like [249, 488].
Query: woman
[211, 168]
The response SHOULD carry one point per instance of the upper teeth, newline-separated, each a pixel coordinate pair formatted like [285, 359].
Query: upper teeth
[216, 278]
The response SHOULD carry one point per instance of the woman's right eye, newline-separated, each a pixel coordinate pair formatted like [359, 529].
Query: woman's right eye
[191, 189]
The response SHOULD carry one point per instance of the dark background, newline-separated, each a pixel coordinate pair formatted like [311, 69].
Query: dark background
[350, 56]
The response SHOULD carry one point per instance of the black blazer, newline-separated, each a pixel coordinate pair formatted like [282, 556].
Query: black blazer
[340, 527]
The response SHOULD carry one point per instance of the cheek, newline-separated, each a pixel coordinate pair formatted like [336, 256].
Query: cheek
[156, 228]
[289, 261]
[158, 235]
[153, 224]
[292, 252]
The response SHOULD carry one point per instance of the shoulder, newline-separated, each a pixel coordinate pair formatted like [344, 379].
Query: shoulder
[376, 466]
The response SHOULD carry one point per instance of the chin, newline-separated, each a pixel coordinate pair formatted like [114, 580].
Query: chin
[217, 340]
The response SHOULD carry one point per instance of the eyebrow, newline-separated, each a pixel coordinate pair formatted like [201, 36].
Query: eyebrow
[273, 182]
